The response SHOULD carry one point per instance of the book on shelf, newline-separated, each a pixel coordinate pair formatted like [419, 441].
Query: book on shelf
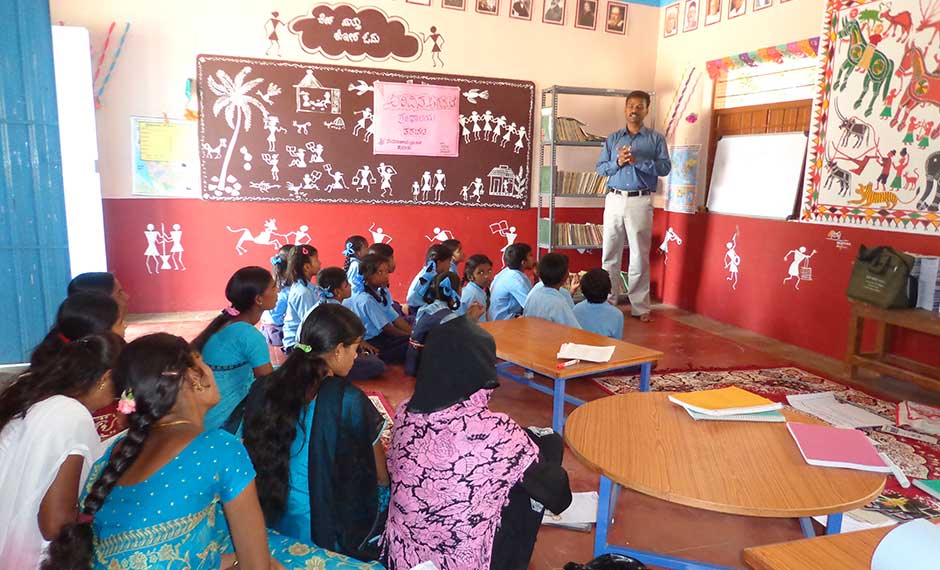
[572, 183]
[565, 129]
[588, 235]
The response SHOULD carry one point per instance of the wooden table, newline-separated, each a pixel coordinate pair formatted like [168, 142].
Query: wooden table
[850, 551]
[648, 444]
[881, 360]
[533, 344]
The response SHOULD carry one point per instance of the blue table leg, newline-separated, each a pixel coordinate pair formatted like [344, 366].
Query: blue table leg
[834, 523]
[645, 370]
[604, 512]
[806, 523]
[558, 406]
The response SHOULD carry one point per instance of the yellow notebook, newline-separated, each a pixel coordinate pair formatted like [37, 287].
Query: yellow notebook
[724, 402]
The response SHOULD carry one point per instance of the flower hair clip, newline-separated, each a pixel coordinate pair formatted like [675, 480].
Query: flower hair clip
[231, 311]
[304, 347]
[276, 260]
[350, 250]
[127, 404]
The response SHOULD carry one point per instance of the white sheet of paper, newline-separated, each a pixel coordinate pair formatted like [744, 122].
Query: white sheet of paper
[425, 566]
[572, 351]
[824, 406]
[583, 510]
[911, 546]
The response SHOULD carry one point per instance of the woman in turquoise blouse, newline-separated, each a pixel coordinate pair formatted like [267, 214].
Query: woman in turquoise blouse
[170, 495]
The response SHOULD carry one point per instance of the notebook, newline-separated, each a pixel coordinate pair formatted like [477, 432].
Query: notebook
[572, 351]
[724, 402]
[771, 416]
[929, 486]
[836, 447]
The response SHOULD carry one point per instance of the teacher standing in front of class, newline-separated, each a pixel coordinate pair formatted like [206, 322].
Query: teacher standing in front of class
[632, 160]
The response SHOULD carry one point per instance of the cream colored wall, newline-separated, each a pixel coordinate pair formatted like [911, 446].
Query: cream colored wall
[166, 36]
[779, 24]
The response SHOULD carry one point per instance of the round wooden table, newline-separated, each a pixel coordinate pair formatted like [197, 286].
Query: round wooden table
[644, 442]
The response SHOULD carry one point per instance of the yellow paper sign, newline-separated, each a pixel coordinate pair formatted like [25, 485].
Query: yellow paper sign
[162, 142]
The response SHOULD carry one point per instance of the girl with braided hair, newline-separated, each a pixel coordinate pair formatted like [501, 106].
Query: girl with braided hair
[170, 494]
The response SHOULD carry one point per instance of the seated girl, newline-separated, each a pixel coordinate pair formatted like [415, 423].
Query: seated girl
[385, 328]
[231, 345]
[80, 314]
[356, 248]
[314, 440]
[443, 304]
[334, 289]
[487, 475]
[436, 261]
[388, 253]
[272, 320]
[170, 494]
[477, 276]
[48, 442]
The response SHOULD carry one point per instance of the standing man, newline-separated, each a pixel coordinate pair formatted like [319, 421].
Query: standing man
[632, 160]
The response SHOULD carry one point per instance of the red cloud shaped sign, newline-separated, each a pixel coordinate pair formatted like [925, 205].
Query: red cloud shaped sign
[356, 33]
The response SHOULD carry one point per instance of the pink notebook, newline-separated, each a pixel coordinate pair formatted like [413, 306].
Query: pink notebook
[836, 447]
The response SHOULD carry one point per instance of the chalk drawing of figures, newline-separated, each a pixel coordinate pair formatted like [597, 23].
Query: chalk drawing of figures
[464, 193]
[522, 136]
[363, 179]
[440, 184]
[487, 129]
[361, 123]
[152, 253]
[379, 235]
[273, 125]
[425, 185]
[498, 129]
[732, 261]
[297, 156]
[503, 228]
[310, 180]
[510, 130]
[339, 182]
[415, 190]
[475, 119]
[175, 238]
[386, 171]
[477, 188]
[301, 237]
[265, 237]
[464, 130]
[271, 160]
[795, 271]
[440, 235]
[316, 152]
[671, 236]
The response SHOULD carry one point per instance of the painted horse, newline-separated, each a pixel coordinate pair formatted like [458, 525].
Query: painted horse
[923, 89]
[879, 68]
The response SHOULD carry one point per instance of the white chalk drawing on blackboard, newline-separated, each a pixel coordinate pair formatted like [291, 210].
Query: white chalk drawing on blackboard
[263, 187]
[246, 158]
[487, 128]
[464, 131]
[475, 118]
[302, 127]
[415, 190]
[471, 95]
[311, 178]
[386, 171]
[379, 235]
[477, 188]
[497, 130]
[272, 124]
[522, 137]
[296, 191]
[440, 235]
[337, 124]
[364, 179]
[440, 184]
[426, 185]
[339, 181]
[366, 116]
[209, 151]
[272, 160]
[313, 97]
[359, 87]
[799, 268]
[297, 156]
[273, 90]
[510, 130]
[505, 182]
[316, 152]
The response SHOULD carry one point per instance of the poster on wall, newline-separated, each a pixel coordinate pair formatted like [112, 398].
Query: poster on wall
[299, 132]
[874, 155]
[165, 159]
[416, 120]
[683, 179]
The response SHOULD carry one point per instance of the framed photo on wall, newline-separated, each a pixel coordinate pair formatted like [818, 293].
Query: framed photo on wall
[554, 12]
[761, 4]
[420, 2]
[712, 11]
[736, 8]
[520, 9]
[690, 22]
[587, 15]
[488, 7]
[671, 24]
[616, 18]
[454, 4]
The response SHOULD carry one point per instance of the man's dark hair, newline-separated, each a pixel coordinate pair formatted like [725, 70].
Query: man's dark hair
[595, 285]
[515, 254]
[553, 269]
[639, 95]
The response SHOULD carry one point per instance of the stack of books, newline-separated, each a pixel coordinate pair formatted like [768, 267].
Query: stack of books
[587, 235]
[567, 129]
[728, 404]
[588, 183]
[925, 282]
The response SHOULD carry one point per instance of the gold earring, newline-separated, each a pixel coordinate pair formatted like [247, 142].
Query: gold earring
[197, 386]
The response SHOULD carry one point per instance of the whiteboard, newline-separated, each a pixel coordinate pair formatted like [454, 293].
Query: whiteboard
[757, 175]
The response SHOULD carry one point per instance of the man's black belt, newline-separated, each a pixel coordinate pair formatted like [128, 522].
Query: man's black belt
[630, 193]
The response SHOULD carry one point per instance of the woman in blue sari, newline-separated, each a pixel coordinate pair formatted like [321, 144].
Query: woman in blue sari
[170, 495]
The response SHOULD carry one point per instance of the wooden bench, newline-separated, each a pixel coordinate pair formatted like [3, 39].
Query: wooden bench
[881, 360]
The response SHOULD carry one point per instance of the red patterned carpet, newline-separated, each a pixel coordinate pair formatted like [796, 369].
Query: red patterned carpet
[918, 460]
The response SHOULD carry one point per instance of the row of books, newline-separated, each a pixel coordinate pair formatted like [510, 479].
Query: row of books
[579, 234]
[565, 129]
[587, 183]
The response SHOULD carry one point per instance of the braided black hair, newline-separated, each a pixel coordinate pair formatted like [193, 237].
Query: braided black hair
[152, 367]
[437, 292]
[353, 245]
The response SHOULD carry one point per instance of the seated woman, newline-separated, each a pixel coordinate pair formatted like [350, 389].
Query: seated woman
[170, 494]
[314, 440]
[459, 471]
[48, 443]
[442, 304]
[80, 314]
[100, 282]
[232, 347]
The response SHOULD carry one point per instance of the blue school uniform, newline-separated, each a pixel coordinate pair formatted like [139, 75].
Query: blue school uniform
[600, 318]
[508, 293]
[453, 267]
[373, 314]
[551, 305]
[232, 354]
[301, 299]
[276, 315]
[415, 298]
[564, 293]
[472, 292]
[355, 279]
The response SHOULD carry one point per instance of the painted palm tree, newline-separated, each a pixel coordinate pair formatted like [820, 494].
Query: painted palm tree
[235, 101]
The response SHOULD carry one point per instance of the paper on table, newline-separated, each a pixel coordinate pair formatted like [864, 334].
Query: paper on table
[583, 510]
[824, 406]
[572, 351]
[911, 546]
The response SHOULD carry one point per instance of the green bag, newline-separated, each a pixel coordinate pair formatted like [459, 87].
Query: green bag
[880, 278]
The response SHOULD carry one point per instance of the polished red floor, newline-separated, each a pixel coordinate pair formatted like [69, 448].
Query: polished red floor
[641, 522]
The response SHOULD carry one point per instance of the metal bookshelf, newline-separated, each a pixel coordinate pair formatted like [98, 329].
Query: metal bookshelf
[547, 196]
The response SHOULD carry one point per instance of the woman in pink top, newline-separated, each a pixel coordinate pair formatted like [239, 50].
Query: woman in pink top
[460, 471]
